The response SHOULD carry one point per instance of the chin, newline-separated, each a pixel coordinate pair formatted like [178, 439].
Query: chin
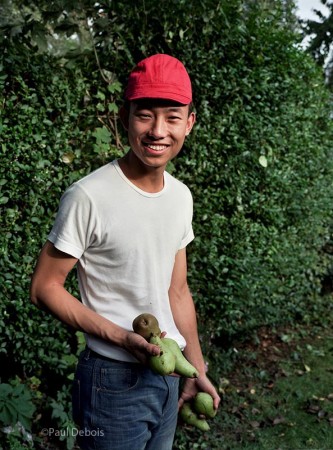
[152, 161]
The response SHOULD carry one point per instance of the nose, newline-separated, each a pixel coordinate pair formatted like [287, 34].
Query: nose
[158, 128]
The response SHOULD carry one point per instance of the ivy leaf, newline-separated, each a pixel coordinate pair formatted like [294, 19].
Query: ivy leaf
[263, 161]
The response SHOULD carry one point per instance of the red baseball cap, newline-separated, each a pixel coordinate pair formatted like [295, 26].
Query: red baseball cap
[160, 76]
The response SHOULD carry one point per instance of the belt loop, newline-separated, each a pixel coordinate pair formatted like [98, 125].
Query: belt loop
[87, 354]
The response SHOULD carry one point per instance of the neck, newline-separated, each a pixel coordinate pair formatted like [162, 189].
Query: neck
[149, 179]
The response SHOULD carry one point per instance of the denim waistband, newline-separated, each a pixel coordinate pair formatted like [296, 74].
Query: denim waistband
[88, 353]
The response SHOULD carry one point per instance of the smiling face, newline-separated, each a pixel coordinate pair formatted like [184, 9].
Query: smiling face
[157, 130]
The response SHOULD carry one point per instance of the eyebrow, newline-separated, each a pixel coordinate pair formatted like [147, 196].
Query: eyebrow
[169, 109]
[174, 109]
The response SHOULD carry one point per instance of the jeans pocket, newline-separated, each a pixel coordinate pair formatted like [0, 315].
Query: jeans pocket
[118, 380]
[76, 402]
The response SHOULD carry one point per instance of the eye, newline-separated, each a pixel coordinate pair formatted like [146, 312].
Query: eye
[143, 116]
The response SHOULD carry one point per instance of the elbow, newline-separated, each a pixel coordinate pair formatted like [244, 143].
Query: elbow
[34, 299]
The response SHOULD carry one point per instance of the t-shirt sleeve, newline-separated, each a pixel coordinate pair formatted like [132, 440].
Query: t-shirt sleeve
[188, 238]
[189, 234]
[75, 224]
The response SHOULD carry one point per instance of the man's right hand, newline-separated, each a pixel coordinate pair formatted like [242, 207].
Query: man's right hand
[139, 347]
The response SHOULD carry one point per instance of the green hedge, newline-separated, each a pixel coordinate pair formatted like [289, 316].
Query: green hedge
[259, 164]
[39, 109]
[260, 168]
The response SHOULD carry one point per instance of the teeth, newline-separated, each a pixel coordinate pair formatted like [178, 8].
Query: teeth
[157, 147]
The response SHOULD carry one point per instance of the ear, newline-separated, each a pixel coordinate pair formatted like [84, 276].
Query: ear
[190, 122]
[124, 117]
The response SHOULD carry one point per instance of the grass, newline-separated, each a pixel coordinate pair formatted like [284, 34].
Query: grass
[277, 396]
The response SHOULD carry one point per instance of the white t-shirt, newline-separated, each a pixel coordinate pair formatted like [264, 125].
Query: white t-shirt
[125, 240]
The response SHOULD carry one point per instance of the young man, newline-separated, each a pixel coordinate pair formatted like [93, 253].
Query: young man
[126, 226]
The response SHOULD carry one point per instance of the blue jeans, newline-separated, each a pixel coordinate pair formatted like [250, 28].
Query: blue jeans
[123, 406]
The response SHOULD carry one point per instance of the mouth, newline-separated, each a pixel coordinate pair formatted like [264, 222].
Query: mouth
[155, 148]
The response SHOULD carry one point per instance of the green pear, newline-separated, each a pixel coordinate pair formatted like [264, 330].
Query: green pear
[189, 417]
[165, 362]
[171, 358]
[146, 325]
[183, 367]
[203, 403]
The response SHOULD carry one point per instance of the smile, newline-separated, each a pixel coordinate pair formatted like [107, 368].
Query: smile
[156, 148]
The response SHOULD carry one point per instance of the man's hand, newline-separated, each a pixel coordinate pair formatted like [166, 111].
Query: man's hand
[140, 348]
[194, 385]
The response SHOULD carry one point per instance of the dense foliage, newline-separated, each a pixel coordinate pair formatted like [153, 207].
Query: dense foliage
[259, 163]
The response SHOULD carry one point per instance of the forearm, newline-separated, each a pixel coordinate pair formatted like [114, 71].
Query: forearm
[48, 291]
[184, 314]
[58, 301]
[185, 317]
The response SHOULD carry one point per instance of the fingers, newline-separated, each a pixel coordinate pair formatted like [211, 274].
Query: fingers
[140, 348]
[180, 403]
[153, 350]
[192, 387]
[216, 398]
[217, 401]
[184, 397]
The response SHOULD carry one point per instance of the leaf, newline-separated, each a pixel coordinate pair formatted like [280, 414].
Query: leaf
[307, 368]
[27, 409]
[5, 417]
[285, 338]
[100, 95]
[263, 161]
[25, 421]
[255, 424]
[115, 87]
[8, 414]
[102, 135]
[112, 107]
[3, 200]
[278, 420]
[321, 414]
[19, 390]
[68, 157]
[5, 390]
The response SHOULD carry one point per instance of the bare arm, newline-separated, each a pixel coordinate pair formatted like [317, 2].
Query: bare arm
[183, 310]
[48, 292]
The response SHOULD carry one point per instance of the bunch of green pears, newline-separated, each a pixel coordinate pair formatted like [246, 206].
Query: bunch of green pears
[171, 359]
[197, 411]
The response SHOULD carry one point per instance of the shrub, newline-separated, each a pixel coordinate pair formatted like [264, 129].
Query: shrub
[16, 413]
[259, 163]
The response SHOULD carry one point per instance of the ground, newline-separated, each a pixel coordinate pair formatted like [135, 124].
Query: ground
[278, 394]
